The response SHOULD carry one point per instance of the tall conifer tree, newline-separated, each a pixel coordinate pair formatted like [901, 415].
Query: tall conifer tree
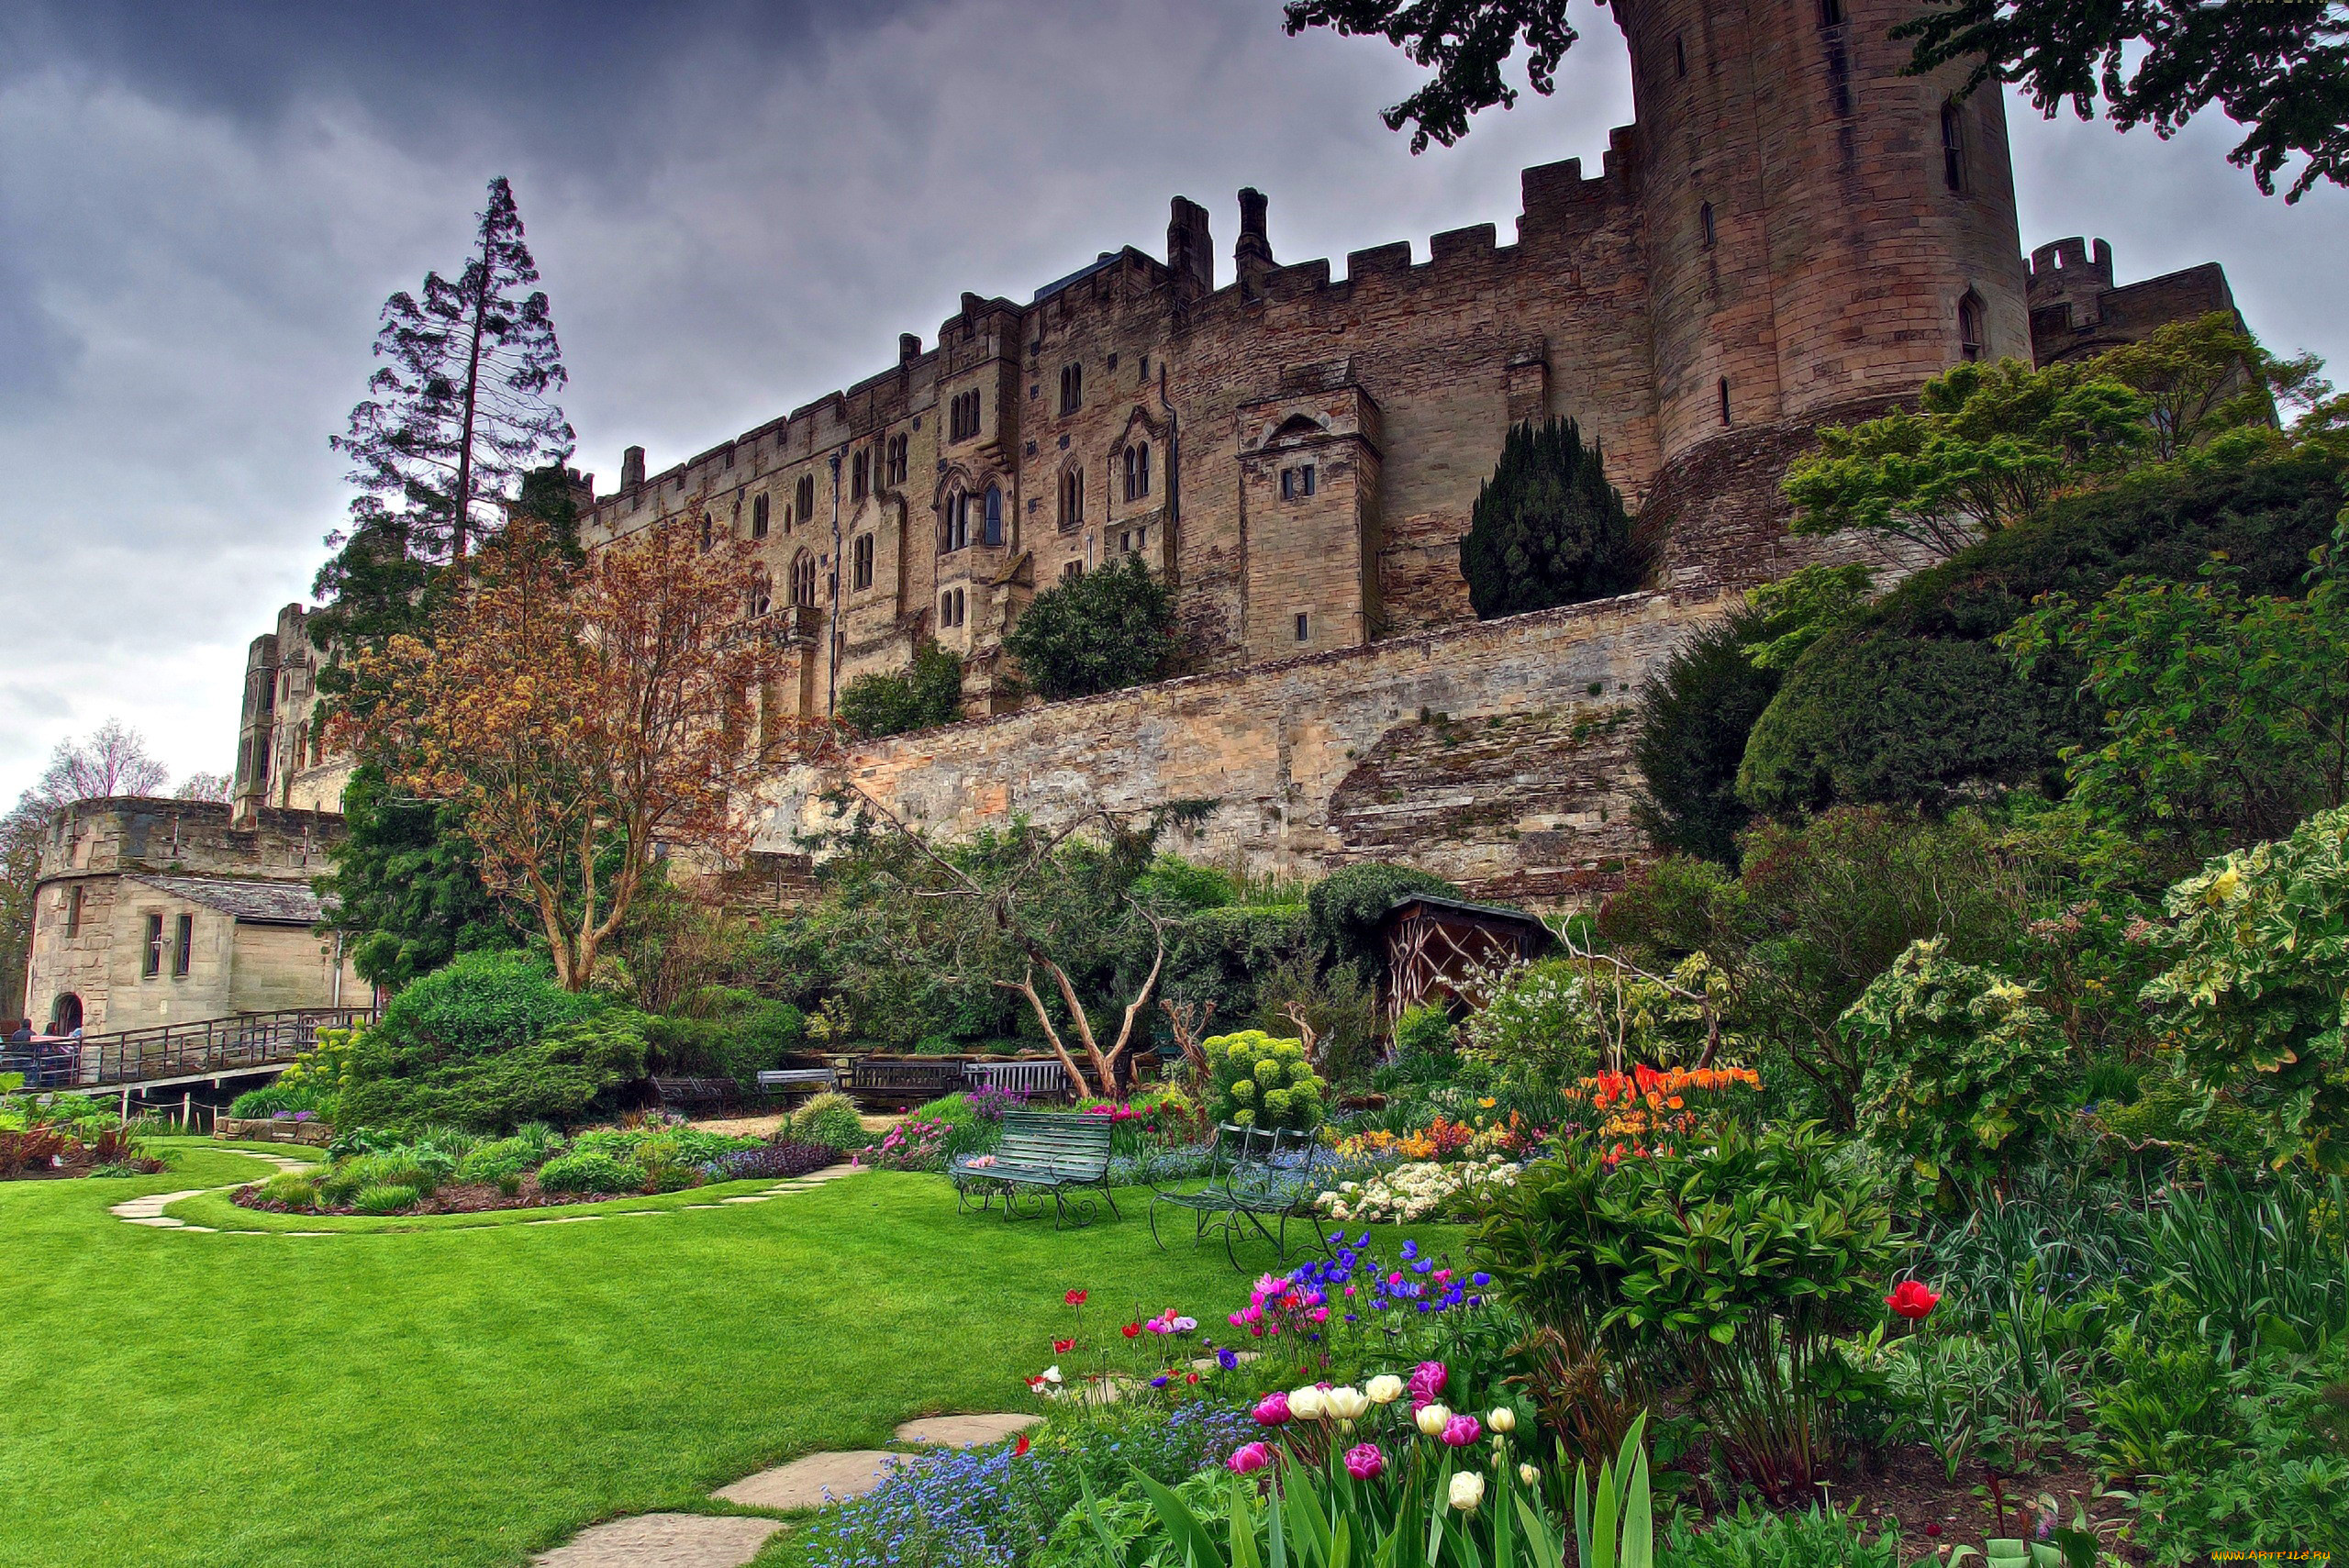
[1548, 528]
[460, 410]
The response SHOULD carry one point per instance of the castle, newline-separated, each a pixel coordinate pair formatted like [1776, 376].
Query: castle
[1793, 232]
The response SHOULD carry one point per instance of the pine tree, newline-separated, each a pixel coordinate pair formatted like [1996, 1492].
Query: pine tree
[460, 412]
[1548, 529]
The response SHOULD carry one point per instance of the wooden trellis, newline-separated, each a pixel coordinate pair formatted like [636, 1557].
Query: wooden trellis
[1432, 945]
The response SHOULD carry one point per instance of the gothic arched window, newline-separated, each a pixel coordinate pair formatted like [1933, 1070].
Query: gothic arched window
[1971, 341]
[991, 528]
[803, 580]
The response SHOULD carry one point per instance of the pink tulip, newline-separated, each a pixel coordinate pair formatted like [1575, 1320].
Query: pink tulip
[1364, 1462]
[1427, 1382]
[1461, 1430]
[1271, 1410]
[1249, 1457]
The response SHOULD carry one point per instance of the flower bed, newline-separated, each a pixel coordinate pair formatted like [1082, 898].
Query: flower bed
[1422, 1190]
[455, 1173]
[67, 1135]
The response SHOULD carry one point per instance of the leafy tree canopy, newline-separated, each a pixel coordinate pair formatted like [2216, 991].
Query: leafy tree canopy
[1099, 632]
[2281, 70]
[1912, 702]
[1548, 529]
[407, 885]
[1989, 445]
[460, 412]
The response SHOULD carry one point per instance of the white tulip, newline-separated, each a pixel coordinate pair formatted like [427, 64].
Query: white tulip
[1347, 1403]
[1430, 1419]
[1385, 1388]
[1528, 1475]
[1502, 1419]
[1306, 1404]
[1467, 1491]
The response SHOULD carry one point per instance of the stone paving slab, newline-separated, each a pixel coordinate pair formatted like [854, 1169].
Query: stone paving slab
[803, 1483]
[964, 1432]
[664, 1540]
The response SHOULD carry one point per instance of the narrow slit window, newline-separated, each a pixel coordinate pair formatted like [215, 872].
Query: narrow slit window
[861, 562]
[1680, 54]
[1704, 222]
[1953, 146]
[1072, 388]
[759, 512]
[182, 946]
[1724, 400]
[73, 911]
[1971, 344]
[991, 520]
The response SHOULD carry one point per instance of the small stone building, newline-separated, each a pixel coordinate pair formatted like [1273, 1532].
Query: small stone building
[156, 912]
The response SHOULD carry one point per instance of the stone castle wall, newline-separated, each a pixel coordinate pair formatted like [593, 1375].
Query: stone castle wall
[1495, 753]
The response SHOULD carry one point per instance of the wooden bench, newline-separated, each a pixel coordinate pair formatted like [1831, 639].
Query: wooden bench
[1041, 1152]
[904, 1084]
[677, 1092]
[1033, 1078]
[786, 1081]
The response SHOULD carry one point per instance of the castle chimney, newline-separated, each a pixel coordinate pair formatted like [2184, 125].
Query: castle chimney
[1253, 256]
[908, 347]
[631, 468]
[1190, 250]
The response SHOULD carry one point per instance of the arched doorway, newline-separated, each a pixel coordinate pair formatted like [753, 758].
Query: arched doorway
[65, 1014]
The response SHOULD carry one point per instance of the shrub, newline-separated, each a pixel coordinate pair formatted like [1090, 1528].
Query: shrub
[1538, 1027]
[1345, 908]
[830, 1119]
[1425, 1031]
[927, 694]
[2257, 998]
[1263, 1081]
[496, 1161]
[1547, 528]
[1914, 702]
[720, 1031]
[1739, 1260]
[1966, 1072]
[1695, 715]
[556, 1078]
[1099, 632]
[590, 1171]
[380, 1199]
[296, 1192]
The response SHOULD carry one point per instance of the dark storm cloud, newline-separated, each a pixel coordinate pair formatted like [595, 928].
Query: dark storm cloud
[736, 208]
[573, 75]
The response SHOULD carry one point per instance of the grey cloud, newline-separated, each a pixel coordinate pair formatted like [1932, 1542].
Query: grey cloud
[736, 208]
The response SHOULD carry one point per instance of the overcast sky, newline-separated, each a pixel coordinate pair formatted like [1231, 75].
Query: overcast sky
[737, 206]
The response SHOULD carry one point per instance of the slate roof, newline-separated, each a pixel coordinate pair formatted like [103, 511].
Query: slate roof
[262, 903]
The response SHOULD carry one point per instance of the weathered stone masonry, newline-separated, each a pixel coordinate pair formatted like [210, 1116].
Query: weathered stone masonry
[1793, 232]
[1494, 753]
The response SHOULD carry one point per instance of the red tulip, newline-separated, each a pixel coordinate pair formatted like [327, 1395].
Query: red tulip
[1131, 1330]
[1074, 1298]
[1912, 1300]
[1062, 1346]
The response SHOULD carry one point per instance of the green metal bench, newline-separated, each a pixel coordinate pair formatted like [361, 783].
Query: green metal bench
[1255, 1176]
[1039, 1155]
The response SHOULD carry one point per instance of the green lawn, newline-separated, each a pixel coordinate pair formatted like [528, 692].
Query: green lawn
[451, 1394]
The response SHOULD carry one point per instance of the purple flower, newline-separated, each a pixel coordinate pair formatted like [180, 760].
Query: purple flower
[1227, 1360]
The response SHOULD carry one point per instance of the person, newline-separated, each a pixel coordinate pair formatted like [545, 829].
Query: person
[24, 1035]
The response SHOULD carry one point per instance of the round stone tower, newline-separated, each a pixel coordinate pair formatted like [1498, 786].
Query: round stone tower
[1823, 235]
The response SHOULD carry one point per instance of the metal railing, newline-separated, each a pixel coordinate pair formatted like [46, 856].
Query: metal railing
[236, 1044]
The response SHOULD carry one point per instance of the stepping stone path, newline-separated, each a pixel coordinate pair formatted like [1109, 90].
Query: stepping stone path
[697, 1540]
[812, 1482]
[964, 1432]
[149, 1211]
[664, 1540]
